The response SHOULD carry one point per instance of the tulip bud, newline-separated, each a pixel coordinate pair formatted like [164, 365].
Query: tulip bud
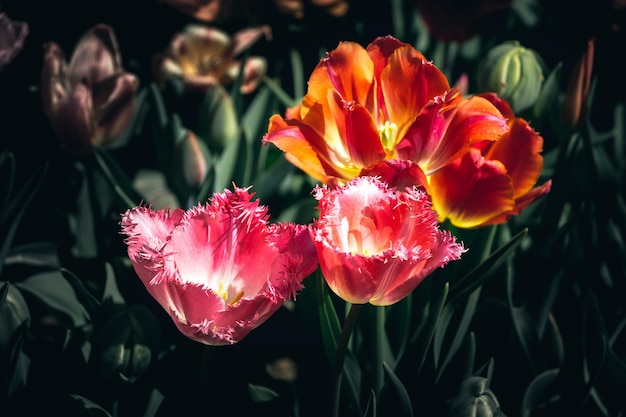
[192, 157]
[575, 100]
[513, 73]
[123, 346]
[217, 119]
[474, 399]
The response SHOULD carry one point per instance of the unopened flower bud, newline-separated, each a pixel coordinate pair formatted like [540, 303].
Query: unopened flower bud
[474, 399]
[123, 346]
[513, 73]
[575, 100]
[217, 119]
[192, 156]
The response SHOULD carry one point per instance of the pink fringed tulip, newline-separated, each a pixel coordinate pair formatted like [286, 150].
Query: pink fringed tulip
[376, 244]
[89, 101]
[220, 269]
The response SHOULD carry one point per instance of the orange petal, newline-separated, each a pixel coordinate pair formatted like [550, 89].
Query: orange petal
[348, 69]
[409, 82]
[519, 150]
[471, 190]
[303, 148]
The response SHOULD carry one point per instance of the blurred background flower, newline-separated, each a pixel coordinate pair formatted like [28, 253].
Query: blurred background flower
[12, 36]
[89, 100]
[202, 57]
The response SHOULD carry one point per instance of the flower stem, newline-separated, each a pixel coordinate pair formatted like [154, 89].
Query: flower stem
[342, 349]
[379, 333]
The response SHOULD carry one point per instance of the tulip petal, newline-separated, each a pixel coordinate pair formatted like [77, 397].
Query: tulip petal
[409, 82]
[74, 121]
[114, 101]
[520, 152]
[53, 87]
[306, 150]
[360, 135]
[447, 127]
[347, 69]
[95, 58]
[471, 190]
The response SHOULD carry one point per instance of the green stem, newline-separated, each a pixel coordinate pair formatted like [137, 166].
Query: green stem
[379, 337]
[208, 354]
[342, 349]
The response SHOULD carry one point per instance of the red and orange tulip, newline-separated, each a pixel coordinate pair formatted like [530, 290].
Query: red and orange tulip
[386, 111]
[366, 107]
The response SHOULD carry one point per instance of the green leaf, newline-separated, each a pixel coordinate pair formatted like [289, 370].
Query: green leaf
[127, 195]
[549, 92]
[19, 204]
[297, 73]
[479, 275]
[539, 392]
[422, 338]
[278, 91]
[53, 289]
[7, 164]
[90, 302]
[261, 394]
[461, 330]
[405, 408]
[266, 184]
[329, 322]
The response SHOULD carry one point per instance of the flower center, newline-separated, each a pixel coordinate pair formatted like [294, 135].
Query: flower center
[388, 133]
[223, 291]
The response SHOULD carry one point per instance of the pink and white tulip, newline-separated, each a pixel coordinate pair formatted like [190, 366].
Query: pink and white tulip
[219, 269]
[376, 244]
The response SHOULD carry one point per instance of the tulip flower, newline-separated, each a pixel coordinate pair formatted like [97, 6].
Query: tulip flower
[459, 21]
[219, 269]
[368, 108]
[375, 243]
[203, 57]
[89, 101]
[204, 10]
[297, 8]
[494, 180]
[12, 37]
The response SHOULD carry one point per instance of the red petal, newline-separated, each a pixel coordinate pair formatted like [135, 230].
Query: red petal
[519, 150]
[471, 190]
[446, 129]
[358, 131]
